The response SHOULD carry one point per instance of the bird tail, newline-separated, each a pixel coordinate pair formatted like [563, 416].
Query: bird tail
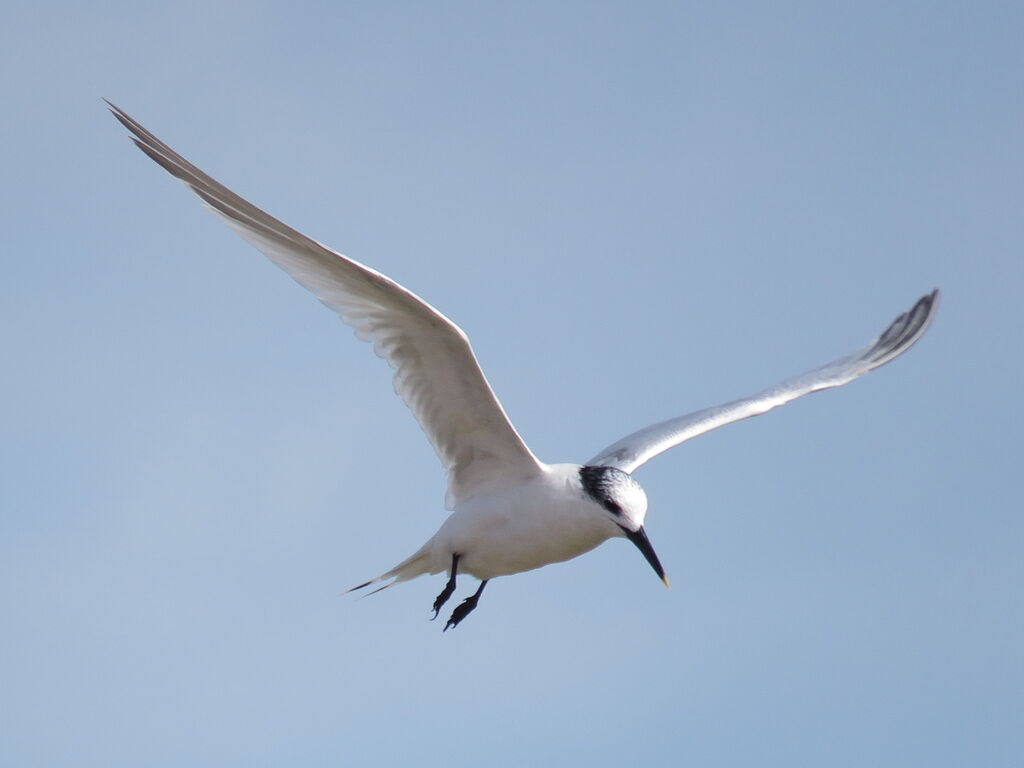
[417, 564]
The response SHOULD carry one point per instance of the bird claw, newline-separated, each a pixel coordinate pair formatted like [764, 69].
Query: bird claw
[442, 599]
[449, 588]
[462, 611]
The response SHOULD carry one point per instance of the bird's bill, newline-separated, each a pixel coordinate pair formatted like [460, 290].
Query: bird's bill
[639, 537]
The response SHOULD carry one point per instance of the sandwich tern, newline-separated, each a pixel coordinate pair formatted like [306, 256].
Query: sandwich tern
[510, 512]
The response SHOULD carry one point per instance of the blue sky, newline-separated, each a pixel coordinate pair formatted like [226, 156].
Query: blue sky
[634, 210]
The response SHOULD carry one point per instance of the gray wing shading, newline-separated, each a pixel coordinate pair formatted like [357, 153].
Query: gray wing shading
[436, 372]
[632, 451]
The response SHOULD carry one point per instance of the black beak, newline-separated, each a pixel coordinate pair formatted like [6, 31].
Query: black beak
[639, 537]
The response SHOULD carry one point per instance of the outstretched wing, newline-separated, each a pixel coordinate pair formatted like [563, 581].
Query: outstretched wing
[632, 451]
[436, 372]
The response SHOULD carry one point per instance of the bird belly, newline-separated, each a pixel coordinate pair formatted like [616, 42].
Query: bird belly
[496, 539]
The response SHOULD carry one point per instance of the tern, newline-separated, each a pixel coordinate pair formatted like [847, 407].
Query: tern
[510, 512]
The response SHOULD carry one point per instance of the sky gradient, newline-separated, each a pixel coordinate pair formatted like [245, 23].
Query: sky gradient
[634, 211]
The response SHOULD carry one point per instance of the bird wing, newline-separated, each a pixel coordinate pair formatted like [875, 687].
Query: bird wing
[632, 451]
[436, 372]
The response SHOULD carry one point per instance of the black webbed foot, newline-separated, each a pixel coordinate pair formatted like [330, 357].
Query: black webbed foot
[465, 608]
[448, 588]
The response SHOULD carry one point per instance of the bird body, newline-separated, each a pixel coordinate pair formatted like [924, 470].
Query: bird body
[548, 519]
[510, 511]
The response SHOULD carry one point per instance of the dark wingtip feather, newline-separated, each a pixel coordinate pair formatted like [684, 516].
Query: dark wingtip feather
[905, 330]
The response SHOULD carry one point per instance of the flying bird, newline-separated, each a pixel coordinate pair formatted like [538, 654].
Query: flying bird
[510, 512]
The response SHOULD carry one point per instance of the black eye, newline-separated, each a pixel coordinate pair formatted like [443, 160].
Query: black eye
[600, 484]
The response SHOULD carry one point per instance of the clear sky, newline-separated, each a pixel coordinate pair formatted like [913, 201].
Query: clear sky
[635, 210]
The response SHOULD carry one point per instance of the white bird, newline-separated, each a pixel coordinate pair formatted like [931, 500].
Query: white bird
[511, 512]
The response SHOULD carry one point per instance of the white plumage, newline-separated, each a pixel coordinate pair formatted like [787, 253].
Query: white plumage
[511, 512]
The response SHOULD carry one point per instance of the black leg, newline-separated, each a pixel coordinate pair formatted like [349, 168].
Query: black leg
[465, 607]
[448, 588]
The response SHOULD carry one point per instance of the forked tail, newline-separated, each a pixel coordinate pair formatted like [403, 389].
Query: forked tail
[416, 565]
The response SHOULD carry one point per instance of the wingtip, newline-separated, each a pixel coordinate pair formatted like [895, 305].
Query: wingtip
[931, 302]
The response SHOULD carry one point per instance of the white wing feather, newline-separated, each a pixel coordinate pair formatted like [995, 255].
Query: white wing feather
[632, 451]
[436, 372]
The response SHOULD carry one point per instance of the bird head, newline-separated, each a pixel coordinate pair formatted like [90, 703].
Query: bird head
[625, 505]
